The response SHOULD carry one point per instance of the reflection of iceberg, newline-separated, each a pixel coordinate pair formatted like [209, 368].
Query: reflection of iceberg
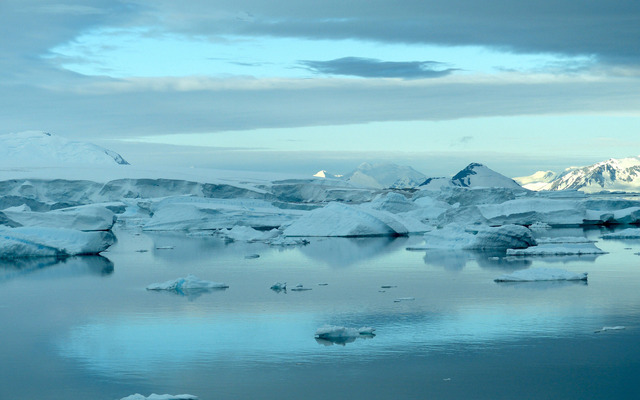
[54, 267]
[340, 252]
[330, 334]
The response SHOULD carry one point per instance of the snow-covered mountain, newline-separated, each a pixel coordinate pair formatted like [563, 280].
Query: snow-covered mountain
[35, 148]
[536, 181]
[385, 175]
[614, 174]
[478, 175]
[325, 174]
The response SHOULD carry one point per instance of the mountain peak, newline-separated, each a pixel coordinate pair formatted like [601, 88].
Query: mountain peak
[38, 148]
[478, 175]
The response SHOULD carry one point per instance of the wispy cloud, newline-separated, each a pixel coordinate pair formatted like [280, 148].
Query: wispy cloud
[373, 68]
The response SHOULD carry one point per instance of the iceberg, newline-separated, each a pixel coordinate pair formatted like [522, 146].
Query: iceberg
[52, 242]
[154, 396]
[190, 282]
[337, 219]
[542, 274]
[84, 218]
[195, 213]
[279, 287]
[557, 249]
[478, 238]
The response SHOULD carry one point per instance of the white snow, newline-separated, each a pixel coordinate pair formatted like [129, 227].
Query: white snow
[330, 332]
[537, 181]
[542, 274]
[190, 282]
[557, 249]
[383, 175]
[51, 242]
[154, 396]
[629, 233]
[35, 148]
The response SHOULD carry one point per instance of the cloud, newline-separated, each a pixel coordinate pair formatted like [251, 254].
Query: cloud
[145, 109]
[372, 68]
[607, 30]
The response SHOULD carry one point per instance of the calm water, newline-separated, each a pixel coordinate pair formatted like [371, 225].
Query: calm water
[86, 328]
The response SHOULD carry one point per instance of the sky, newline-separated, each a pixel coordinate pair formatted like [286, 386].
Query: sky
[299, 86]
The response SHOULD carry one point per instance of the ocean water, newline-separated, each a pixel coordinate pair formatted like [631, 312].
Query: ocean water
[86, 328]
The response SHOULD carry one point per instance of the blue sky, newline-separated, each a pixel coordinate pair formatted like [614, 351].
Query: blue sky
[302, 86]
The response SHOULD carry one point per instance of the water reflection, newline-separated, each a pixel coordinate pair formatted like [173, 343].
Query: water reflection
[342, 252]
[189, 294]
[342, 341]
[541, 285]
[54, 267]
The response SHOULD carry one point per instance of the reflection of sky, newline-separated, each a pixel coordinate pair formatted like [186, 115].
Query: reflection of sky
[138, 345]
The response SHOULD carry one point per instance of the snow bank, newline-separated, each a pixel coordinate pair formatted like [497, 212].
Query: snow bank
[190, 282]
[542, 274]
[154, 396]
[83, 218]
[630, 233]
[478, 238]
[336, 219]
[331, 332]
[51, 242]
[557, 249]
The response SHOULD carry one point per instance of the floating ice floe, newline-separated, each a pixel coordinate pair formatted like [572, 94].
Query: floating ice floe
[52, 242]
[401, 299]
[477, 238]
[154, 396]
[610, 328]
[557, 249]
[190, 282]
[630, 233]
[333, 332]
[564, 239]
[542, 274]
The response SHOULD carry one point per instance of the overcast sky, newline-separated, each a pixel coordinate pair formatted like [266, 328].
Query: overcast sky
[306, 85]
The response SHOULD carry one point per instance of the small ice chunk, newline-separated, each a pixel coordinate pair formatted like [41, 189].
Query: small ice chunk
[323, 284]
[398, 300]
[610, 328]
[252, 256]
[338, 332]
[164, 247]
[542, 274]
[387, 286]
[279, 286]
[190, 282]
[300, 288]
[154, 396]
